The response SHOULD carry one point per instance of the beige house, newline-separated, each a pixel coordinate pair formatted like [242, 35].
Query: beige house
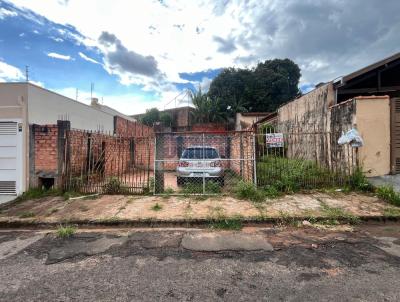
[367, 100]
[23, 105]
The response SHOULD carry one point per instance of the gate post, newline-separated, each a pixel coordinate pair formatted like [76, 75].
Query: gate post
[159, 164]
[63, 127]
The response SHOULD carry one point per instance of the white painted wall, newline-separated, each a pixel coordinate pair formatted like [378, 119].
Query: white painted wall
[46, 107]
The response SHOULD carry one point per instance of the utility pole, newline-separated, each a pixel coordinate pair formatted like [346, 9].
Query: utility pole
[91, 91]
[27, 73]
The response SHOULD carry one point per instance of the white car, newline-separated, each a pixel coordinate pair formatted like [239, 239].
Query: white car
[199, 162]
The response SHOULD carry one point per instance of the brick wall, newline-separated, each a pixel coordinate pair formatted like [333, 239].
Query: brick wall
[128, 128]
[209, 127]
[44, 154]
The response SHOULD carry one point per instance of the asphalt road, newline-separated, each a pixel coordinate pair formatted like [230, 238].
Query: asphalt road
[257, 264]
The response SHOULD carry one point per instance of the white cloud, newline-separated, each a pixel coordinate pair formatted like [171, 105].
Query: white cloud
[85, 57]
[10, 73]
[325, 37]
[21, 34]
[4, 13]
[59, 56]
[56, 39]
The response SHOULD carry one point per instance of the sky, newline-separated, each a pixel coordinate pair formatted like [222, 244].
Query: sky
[142, 54]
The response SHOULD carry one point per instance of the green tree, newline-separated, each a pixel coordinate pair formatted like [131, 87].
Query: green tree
[150, 117]
[165, 119]
[263, 88]
[207, 110]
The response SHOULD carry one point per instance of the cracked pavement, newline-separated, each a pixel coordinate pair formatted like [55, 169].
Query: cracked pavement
[255, 264]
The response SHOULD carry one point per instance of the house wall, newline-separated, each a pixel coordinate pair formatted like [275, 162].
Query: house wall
[248, 121]
[13, 106]
[302, 119]
[373, 124]
[309, 112]
[46, 107]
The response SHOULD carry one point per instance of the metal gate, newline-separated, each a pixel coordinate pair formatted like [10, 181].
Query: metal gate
[203, 163]
[103, 163]
[10, 157]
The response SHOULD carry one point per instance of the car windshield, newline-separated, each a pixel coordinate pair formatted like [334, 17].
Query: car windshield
[200, 153]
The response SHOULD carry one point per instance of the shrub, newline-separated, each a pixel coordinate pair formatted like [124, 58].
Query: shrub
[359, 182]
[271, 191]
[113, 186]
[157, 207]
[65, 232]
[213, 187]
[388, 194]
[247, 190]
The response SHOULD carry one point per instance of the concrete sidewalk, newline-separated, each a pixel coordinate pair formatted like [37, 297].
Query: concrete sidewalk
[6, 198]
[114, 209]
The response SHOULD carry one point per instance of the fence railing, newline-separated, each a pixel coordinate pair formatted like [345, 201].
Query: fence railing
[96, 162]
[303, 159]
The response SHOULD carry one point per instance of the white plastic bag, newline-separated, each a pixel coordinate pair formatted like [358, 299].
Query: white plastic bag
[351, 137]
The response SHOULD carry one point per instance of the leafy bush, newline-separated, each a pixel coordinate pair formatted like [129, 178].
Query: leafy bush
[271, 191]
[247, 190]
[359, 182]
[388, 194]
[65, 232]
[113, 186]
[157, 207]
[213, 187]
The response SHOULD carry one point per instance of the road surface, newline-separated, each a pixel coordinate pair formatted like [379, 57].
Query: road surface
[256, 264]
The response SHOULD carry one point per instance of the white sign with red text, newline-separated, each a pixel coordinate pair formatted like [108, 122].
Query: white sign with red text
[274, 140]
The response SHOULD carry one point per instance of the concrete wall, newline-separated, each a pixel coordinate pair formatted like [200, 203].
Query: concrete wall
[309, 112]
[243, 121]
[46, 107]
[373, 123]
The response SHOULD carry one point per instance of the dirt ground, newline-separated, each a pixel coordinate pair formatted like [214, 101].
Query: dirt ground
[179, 208]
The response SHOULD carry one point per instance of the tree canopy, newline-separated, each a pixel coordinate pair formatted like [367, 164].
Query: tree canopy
[260, 89]
[207, 110]
[153, 115]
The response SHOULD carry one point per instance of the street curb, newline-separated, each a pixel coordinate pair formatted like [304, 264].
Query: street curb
[190, 223]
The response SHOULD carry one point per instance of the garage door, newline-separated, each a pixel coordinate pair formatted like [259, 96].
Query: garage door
[10, 159]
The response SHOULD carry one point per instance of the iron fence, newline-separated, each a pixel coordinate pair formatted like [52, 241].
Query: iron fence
[202, 163]
[97, 162]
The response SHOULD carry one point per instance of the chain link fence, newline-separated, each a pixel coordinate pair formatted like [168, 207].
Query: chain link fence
[203, 163]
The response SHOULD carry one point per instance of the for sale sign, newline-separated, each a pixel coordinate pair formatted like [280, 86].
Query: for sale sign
[274, 140]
